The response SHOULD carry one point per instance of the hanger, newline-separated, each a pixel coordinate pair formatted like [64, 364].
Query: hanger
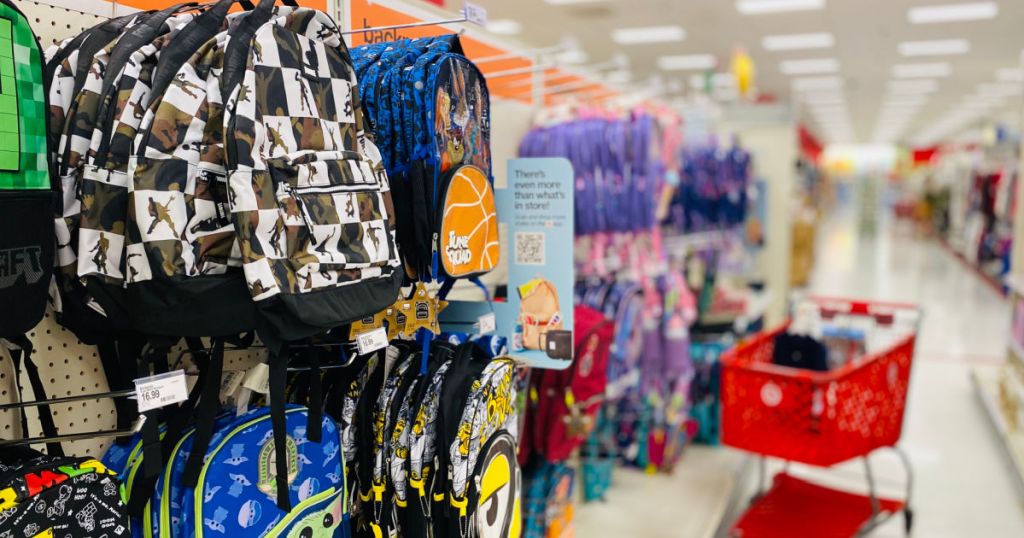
[408, 25]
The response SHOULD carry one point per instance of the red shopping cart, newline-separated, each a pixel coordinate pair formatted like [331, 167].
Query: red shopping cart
[821, 419]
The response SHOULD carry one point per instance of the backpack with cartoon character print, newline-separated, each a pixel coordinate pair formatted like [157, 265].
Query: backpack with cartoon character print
[237, 490]
[482, 483]
[56, 496]
[308, 196]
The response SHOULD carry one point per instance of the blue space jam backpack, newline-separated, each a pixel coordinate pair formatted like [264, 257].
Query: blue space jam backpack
[237, 489]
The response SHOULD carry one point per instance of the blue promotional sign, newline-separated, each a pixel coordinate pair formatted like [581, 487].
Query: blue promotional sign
[535, 212]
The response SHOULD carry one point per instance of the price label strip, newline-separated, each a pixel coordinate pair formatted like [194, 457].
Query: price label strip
[487, 323]
[161, 390]
[475, 14]
[371, 341]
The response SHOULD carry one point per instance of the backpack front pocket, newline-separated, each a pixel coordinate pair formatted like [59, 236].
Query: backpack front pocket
[332, 209]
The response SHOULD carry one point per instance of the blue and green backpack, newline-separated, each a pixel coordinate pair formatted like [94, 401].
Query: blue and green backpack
[237, 489]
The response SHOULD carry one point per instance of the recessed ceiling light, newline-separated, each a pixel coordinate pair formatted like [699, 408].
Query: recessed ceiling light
[504, 26]
[818, 40]
[953, 12]
[823, 98]
[687, 62]
[904, 87]
[757, 7]
[817, 83]
[935, 47]
[809, 67]
[925, 70]
[905, 100]
[1000, 89]
[572, 2]
[648, 34]
[1010, 75]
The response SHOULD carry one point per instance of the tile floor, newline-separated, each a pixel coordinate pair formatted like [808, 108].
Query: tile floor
[963, 482]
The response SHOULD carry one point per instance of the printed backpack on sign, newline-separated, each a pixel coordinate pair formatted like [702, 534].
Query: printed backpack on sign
[539, 312]
[310, 200]
[26, 192]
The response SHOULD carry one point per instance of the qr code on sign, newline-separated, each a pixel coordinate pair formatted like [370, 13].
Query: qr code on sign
[530, 248]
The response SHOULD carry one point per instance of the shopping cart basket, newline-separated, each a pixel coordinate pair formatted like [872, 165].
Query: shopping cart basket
[820, 418]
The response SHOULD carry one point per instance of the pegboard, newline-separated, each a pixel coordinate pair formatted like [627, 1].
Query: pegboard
[67, 366]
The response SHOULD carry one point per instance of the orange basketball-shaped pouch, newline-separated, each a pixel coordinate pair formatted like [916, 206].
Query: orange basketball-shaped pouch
[468, 236]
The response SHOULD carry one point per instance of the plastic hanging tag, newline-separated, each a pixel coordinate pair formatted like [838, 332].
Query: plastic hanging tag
[487, 323]
[371, 341]
[230, 383]
[475, 14]
[258, 379]
[161, 390]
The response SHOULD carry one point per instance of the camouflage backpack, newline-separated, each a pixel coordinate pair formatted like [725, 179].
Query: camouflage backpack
[184, 270]
[72, 65]
[310, 200]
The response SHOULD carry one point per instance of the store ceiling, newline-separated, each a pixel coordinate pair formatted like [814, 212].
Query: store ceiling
[862, 43]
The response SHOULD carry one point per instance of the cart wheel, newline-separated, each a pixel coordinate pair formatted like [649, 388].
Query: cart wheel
[908, 519]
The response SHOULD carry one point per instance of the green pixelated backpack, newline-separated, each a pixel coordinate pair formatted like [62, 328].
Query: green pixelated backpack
[26, 194]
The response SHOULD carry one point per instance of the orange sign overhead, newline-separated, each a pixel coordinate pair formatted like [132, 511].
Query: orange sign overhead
[366, 14]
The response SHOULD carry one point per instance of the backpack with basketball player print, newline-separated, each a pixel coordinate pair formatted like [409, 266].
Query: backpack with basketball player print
[184, 268]
[309, 197]
[483, 480]
[55, 496]
[452, 130]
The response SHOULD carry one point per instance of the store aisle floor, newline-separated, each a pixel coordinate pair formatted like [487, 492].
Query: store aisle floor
[964, 487]
[964, 483]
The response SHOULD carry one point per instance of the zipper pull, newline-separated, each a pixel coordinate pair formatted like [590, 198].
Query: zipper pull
[433, 256]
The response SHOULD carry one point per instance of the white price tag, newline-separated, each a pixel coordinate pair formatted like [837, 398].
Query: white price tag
[371, 341]
[161, 390]
[487, 323]
[476, 14]
[258, 379]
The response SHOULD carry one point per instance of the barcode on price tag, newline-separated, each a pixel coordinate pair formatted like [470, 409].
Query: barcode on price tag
[370, 341]
[487, 323]
[160, 390]
[476, 14]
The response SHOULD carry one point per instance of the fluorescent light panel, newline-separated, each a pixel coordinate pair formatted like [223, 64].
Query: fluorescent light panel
[922, 70]
[817, 83]
[935, 47]
[917, 86]
[504, 26]
[818, 40]
[687, 62]
[975, 11]
[760, 7]
[1010, 75]
[1000, 89]
[823, 98]
[809, 67]
[648, 34]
